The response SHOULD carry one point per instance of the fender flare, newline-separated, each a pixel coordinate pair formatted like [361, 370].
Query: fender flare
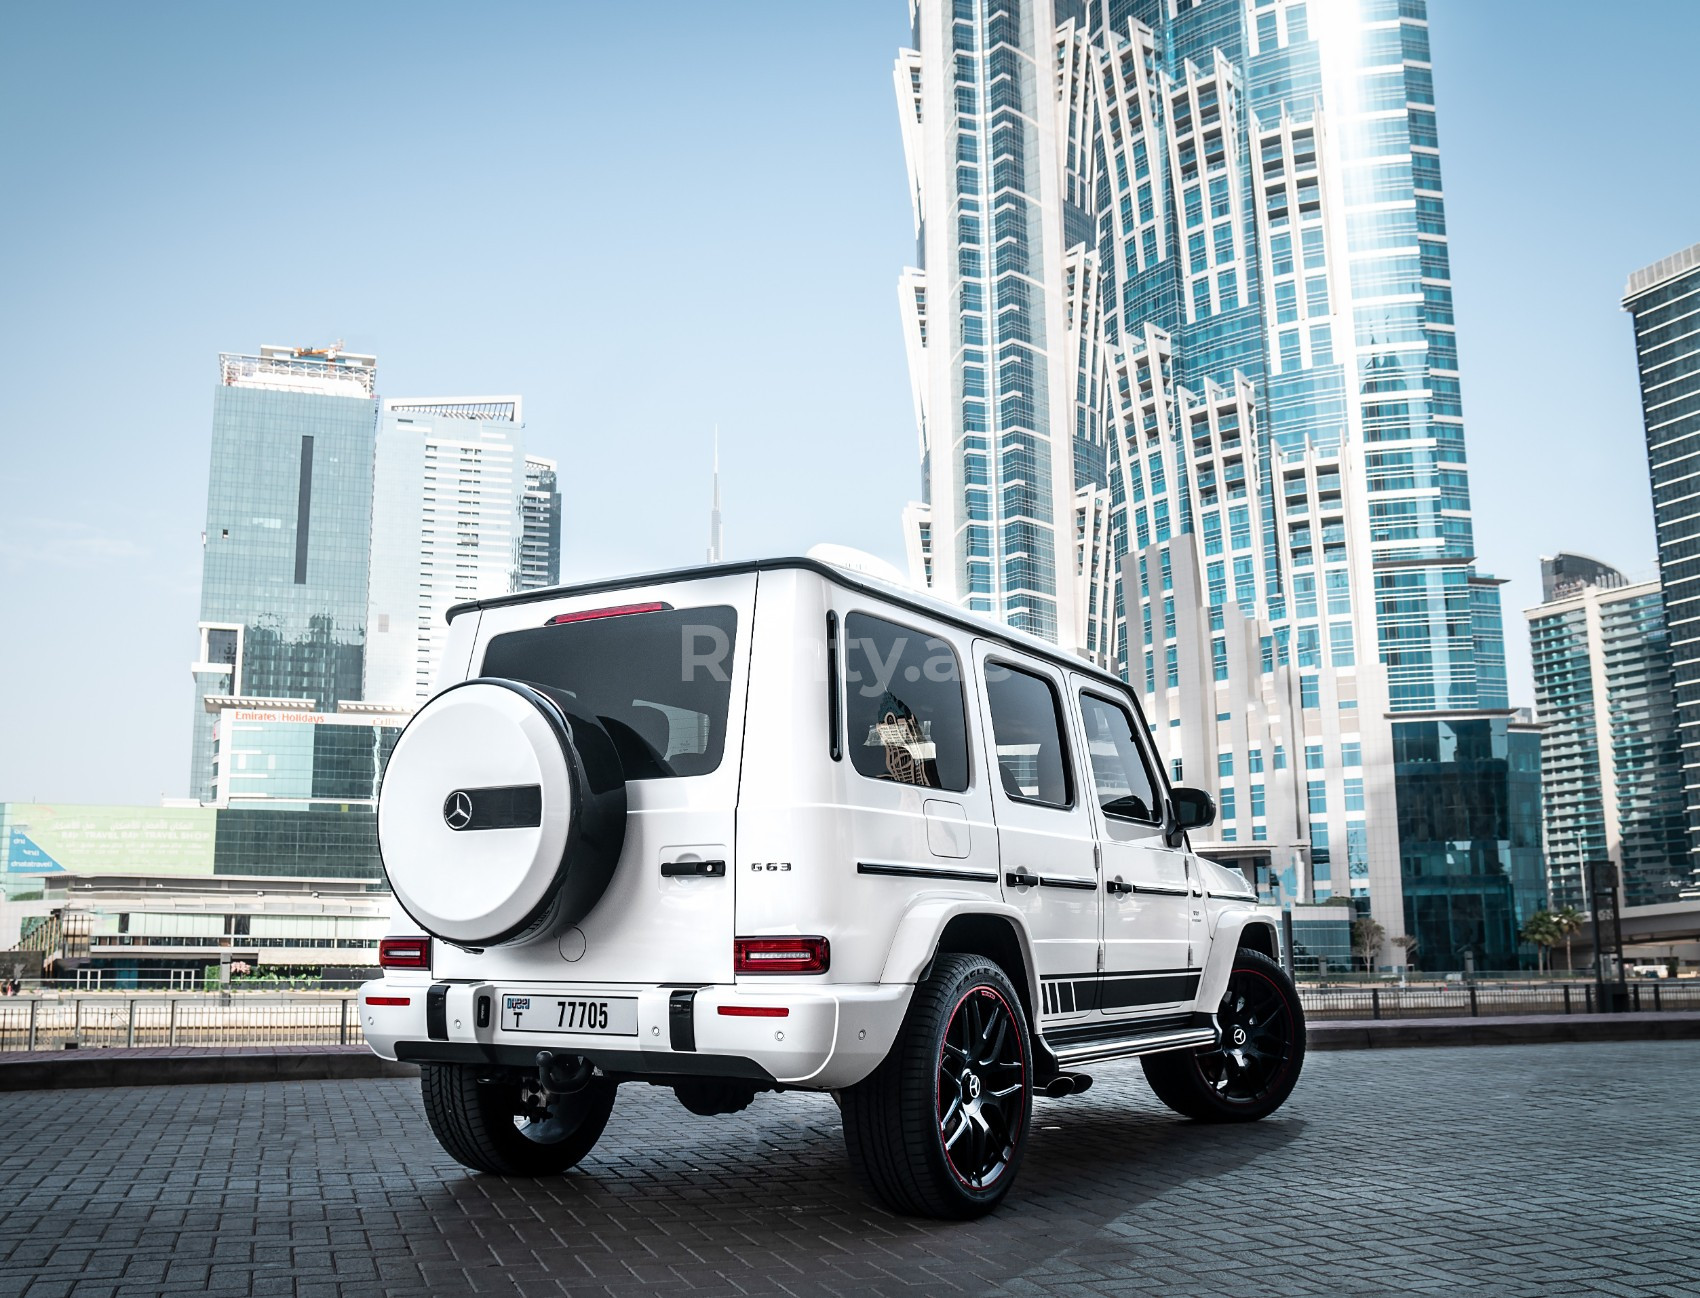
[1224, 944]
[923, 924]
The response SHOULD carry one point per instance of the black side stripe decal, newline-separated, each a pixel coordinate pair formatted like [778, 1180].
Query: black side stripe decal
[1062, 994]
[926, 872]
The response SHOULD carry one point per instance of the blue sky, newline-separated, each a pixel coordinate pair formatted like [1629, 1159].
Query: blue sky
[647, 228]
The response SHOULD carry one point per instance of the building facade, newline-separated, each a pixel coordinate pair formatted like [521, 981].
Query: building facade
[166, 896]
[1664, 301]
[289, 519]
[540, 538]
[1611, 761]
[1186, 379]
[449, 518]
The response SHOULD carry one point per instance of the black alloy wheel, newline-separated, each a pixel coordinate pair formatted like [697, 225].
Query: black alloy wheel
[982, 1079]
[1256, 1045]
[1256, 1061]
[939, 1128]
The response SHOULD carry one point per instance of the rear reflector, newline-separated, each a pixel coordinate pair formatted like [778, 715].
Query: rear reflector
[389, 1000]
[754, 1011]
[404, 953]
[780, 955]
[618, 610]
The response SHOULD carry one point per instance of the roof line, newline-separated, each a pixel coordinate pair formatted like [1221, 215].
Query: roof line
[915, 601]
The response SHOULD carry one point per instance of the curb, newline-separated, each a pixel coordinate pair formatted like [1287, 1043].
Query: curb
[1505, 1030]
[120, 1066]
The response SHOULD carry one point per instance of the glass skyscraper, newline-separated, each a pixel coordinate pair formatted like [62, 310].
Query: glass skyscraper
[289, 521]
[540, 539]
[1186, 375]
[1611, 765]
[1664, 300]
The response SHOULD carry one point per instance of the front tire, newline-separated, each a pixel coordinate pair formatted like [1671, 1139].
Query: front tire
[486, 1125]
[1252, 1070]
[939, 1128]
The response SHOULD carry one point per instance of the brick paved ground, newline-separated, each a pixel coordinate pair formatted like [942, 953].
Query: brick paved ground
[1531, 1170]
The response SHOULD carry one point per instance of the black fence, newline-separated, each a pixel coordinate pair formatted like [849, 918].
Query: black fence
[1476, 999]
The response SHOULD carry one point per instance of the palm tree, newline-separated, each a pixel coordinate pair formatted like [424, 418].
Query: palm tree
[1541, 929]
[1569, 921]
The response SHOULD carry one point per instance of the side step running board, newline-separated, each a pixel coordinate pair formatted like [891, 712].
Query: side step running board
[1134, 1043]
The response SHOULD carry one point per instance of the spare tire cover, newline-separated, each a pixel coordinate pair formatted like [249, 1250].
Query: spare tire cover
[501, 815]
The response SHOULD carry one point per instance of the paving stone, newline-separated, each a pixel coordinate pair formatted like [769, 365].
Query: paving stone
[1510, 1171]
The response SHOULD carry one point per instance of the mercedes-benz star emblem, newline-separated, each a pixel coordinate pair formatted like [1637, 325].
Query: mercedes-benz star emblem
[457, 809]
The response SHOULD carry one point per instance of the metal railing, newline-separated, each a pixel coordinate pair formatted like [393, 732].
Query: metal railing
[1476, 999]
[55, 1022]
[61, 1022]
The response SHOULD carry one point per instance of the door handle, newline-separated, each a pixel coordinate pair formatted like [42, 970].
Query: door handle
[1021, 879]
[685, 869]
[1116, 888]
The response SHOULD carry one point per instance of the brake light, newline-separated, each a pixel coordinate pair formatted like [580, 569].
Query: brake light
[754, 1011]
[389, 1000]
[404, 953]
[780, 955]
[618, 610]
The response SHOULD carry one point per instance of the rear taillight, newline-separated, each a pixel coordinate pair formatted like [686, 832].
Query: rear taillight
[404, 953]
[618, 610]
[780, 955]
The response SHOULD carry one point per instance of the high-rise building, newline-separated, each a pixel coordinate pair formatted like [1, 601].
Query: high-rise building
[1664, 300]
[540, 539]
[1611, 768]
[289, 514]
[1186, 378]
[448, 502]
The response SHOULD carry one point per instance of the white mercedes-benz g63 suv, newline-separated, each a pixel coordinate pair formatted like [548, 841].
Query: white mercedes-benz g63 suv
[780, 825]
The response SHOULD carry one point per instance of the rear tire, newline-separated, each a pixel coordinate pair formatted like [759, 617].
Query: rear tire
[484, 1126]
[939, 1128]
[1253, 1069]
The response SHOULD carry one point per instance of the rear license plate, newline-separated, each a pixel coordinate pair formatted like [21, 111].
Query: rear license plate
[614, 1016]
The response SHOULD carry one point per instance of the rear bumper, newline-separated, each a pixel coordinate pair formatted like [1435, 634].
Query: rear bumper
[828, 1037]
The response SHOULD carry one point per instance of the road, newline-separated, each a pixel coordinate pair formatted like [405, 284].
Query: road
[1525, 1170]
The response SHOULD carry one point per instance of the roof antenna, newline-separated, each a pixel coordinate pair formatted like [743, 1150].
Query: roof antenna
[714, 536]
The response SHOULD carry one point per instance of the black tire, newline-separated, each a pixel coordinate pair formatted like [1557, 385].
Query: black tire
[895, 1121]
[478, 1123]
[1254, 1068]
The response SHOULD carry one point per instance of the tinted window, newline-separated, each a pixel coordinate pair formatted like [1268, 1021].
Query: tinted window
[659, 683]
[1119, 773]
[903, 705]
[1027, 733]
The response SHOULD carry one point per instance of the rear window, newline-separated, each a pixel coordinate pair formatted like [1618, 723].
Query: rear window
[903, 707]
[660, 683]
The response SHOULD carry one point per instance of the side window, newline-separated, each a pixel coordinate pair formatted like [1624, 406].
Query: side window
[1027, 732]
[904, 713]
[1122, 780]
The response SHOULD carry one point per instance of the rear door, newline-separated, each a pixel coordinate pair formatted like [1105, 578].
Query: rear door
[1045, 839]
[664, 670]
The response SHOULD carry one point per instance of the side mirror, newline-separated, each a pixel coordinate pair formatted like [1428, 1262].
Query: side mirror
[1191, 809]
